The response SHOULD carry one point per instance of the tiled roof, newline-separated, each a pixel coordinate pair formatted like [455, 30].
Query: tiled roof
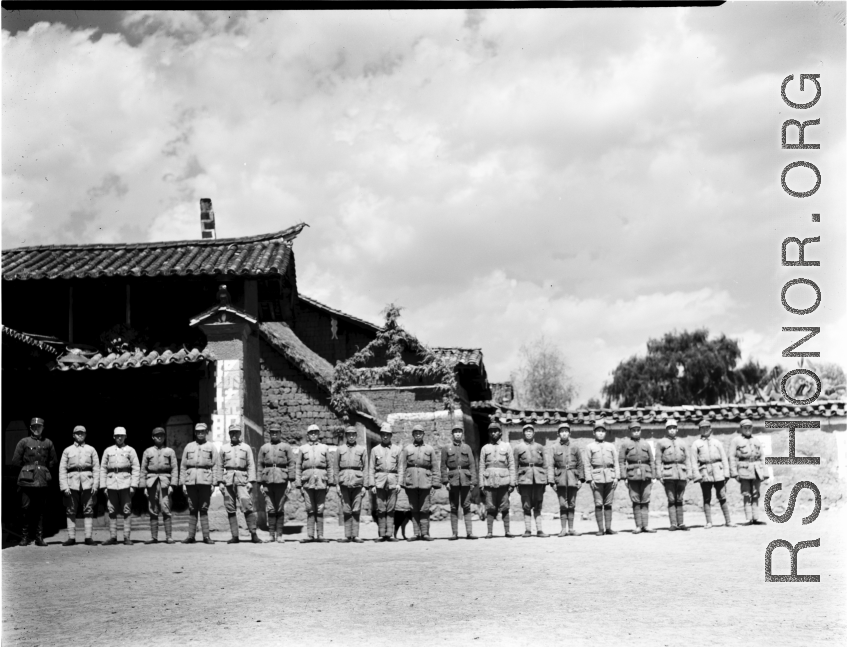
[687, 414]
[174, 355]
[249, 256]
[337, 313]
[31, 340]
[460, 356]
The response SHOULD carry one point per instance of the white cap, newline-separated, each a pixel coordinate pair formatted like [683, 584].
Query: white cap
[119, 431]
[671, 423]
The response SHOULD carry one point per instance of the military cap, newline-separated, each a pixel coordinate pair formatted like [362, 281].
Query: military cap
[563, 425]
[119, 431]
[200, 426]
[599, 425]
[36, 421]
[704, 423]
[158, 431]
[313, 428]
[275, 427]
[746, 423]
[527, 426]
[234, 427]
[494, 425]
[670, 423]
[350, 430]
[385, 428]
[634, 424]
[417, 428]
[457, 425]
[80, 428]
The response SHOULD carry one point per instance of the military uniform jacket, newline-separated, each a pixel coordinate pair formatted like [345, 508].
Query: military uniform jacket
[79, 468]
[636, 458]
[351, 465]
[709, 461]
[276, 463]
[497, 465]
[237, 465]
[671, 459]
[159, 464]
[601, 462]
[530, 463]
[314, 468]
[458, 466]
[35, 458]
[746, 458]
[564, 465]
[120, 468]
[199, 464]
[384, 467]
[419, 467]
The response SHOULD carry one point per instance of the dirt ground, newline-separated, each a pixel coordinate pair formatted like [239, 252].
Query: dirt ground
[704, 587]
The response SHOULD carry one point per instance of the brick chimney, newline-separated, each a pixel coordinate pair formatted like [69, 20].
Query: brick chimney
[207, 219]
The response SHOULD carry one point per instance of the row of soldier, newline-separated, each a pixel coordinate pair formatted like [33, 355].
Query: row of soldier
[351, 471]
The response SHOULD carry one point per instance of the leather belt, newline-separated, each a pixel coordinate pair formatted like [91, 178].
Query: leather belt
[80, 469]
[119, 469]
[236, 469]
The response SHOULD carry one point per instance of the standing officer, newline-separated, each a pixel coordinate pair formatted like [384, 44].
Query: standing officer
[636, 467]
[532, 477]
[79, 480]
[276, 470]
[459, 476]
[672, 470]
[384, 481]
[313, 478]
[198, 473]
[351, 465]
[602, 471]
[418, 467]
[119, 477]
[565, 473]
[159, 474]
[496, 478]
[235, 481]
[710, 466]
[746, 464]
[36, 456]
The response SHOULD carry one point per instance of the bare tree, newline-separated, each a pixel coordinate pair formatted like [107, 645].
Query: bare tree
[542, 380]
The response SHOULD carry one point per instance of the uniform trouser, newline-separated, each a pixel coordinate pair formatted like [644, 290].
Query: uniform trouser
[314, 501]
[275, 498]
[237, 494]
[386, 501]
[567, 505]
[159, 501]
[604, 494]
[199, 498]
[32, 509]
[497, 500]
[420, 500]
[639, 494]
[750, 494]
[675, 491]
[119, 501]
[351, 508]
[720, 492]
[532, 496]
[459, 496]
[84, 498]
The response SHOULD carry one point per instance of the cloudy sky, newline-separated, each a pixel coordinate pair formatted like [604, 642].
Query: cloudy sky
[597, 176]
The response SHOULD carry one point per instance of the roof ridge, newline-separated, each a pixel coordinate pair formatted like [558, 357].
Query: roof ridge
[318, 304]
[289, 232]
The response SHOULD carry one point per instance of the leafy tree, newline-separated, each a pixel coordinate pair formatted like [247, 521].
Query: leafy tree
[593, 403]
[542, 380]
[682, 368]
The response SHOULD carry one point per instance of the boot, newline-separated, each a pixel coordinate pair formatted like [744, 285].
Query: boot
[607, 516]
[672, 515]
[233, 529]
[469, 525]
[416, 525]
[113, 530]
[755, 509]
[192, 528]
[204, 526]
[598, 516]
[154, 529]
[425, 529]
[111, 541]
[747, 514]
[506, 521]
[563, 521]
[354, 528]
[169, 526]
[24, 535]
[252, 522]
[319, 527]
[348, 527]
[645, 518]
[707, 510]
[70, 541]
[679, 518]
[489, 523]
[454, 524]
[280, 527]
[254, 538]
[727, 519]
[571, 515]
[389, 526]
[636, 513]
[380, 525]
[39, 530]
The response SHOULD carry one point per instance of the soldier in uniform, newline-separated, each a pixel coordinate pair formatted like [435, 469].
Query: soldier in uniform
[351, 465]
[79, 480]
[636, 459]
[459, 476]
[159, 474]
[602, 471]
[276, 470]
[746, 464]
[235, 481]
[36, 456]
[532, 478]
[710, 466]
[384, 481]
[119, 474]
[496, 478]
[313, 478]
[565, 473]
[198, 473]
[418, 469]
[672, 470]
